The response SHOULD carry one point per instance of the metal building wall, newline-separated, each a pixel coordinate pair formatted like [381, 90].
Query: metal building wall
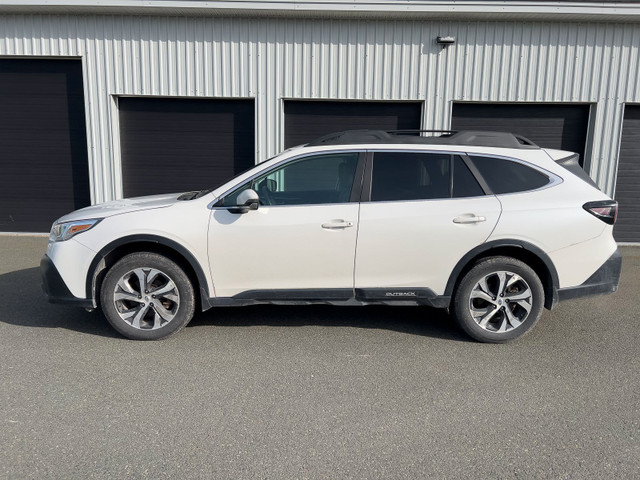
[275, 59]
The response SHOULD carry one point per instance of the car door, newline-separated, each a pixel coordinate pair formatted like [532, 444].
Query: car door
[421, 213]
[300, 242]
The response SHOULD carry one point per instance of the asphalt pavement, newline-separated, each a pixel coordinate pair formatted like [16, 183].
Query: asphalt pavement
[315, 392]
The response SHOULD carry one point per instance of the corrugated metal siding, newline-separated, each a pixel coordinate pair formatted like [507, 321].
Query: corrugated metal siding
[272, 59]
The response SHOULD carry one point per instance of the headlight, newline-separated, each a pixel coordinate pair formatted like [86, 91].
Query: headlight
[64, 231]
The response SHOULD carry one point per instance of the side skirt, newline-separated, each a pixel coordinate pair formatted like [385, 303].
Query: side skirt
[339, 297]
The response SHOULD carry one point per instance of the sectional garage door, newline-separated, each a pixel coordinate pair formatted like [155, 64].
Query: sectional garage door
[175, 145]
[549, 125]
[307, 120]
[627, 228]
[43, 147]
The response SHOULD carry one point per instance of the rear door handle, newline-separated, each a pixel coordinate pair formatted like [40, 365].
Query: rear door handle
[337, 224]
[469, 218]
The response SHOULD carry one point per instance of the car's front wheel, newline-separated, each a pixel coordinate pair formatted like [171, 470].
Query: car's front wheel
[499, 299]
[146, 296]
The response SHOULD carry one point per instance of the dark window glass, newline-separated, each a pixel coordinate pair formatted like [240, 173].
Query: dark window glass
[311, 180]
[464, 183]
[231, 200]
[410, 176]
[506, 176]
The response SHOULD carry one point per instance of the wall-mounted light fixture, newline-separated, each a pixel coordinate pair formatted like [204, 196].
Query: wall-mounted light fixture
[445, 41]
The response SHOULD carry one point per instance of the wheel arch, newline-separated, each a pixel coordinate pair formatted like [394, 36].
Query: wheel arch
[519, 249]
[117, 249]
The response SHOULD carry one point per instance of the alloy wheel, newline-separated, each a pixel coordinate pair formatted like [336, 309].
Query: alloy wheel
[500, 301]
[146, 298]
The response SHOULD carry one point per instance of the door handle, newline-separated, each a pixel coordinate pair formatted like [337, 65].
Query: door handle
[469, 218]
[337, 224]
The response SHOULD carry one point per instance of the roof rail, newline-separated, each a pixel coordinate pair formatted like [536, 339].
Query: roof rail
[447, 137]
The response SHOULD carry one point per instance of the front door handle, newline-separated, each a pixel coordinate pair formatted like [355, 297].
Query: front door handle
[469, 218]
[337, 224]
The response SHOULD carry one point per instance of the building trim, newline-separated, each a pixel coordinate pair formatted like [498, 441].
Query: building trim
[621, 10]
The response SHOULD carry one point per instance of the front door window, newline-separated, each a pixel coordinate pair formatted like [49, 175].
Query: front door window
[314, 180]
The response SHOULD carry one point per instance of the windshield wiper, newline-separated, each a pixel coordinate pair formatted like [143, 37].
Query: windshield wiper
[194, 195]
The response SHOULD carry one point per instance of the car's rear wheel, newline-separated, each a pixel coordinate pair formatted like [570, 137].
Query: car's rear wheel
[146, 296]
[499, 299]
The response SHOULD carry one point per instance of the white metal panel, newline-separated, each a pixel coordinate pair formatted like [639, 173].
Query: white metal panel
[271, 59]
[307, 255]
[402, 251]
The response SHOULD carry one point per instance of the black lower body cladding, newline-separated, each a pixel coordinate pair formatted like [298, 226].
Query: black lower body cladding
[55, 288]
[604, 280]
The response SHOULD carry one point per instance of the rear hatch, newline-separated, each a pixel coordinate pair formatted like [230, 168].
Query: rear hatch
[605, 210]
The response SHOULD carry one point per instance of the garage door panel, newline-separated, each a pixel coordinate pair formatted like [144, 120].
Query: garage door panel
[43, 137]
[173, 145]
[308, 120]
[557, 126]
[627, 228]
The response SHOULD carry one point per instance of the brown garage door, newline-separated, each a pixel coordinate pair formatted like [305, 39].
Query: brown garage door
[176, 145]
[307, 120]
[627, 228]
[549, 125]
[43, 164]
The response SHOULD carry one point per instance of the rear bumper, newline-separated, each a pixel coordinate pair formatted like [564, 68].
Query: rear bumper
[55, 288]
[605, 280]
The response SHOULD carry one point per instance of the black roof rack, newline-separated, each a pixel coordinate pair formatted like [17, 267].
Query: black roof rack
[446, 137]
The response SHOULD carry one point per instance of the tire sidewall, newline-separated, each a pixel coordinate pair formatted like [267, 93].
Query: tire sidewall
[468, 282]
[168, 267]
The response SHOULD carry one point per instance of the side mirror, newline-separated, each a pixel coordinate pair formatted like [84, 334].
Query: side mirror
[247, 200]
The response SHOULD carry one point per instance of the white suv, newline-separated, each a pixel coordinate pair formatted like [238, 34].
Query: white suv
[486, 224]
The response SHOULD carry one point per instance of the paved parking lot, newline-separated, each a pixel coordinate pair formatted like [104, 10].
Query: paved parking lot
[315, 392]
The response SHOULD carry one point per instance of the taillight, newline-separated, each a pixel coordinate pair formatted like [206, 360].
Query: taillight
[605, 210]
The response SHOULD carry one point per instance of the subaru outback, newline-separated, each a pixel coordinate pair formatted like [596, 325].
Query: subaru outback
[485, 224]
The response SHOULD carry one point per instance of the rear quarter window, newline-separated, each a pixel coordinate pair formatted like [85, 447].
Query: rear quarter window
[507, 176]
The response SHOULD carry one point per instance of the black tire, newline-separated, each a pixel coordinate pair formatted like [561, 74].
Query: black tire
[488, 269]
[177, 304]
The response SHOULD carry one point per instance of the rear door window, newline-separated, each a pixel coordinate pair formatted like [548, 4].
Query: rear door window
[464, 183]
[410, 176]
[400, 176]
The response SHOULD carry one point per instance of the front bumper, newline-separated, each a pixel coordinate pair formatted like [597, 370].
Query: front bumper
[55, 288]
[605, 280]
